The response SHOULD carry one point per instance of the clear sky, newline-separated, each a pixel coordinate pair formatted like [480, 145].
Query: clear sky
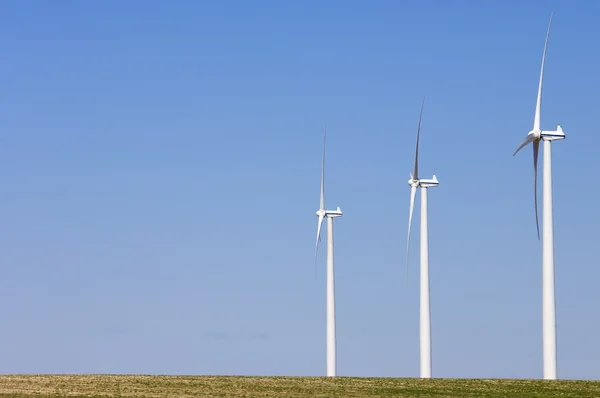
[159, 177]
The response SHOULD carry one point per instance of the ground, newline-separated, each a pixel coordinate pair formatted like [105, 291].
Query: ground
[233, 386]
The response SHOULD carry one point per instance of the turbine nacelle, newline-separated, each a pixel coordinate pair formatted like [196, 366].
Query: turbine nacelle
[556, 135]
[429, 183]
[333, 213]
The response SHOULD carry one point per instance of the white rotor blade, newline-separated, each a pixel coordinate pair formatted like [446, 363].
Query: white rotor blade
[319, 224]
[529, 139]
[413, 193]
[536, 149]
[538, 106]
[322, 203]
[416, 165]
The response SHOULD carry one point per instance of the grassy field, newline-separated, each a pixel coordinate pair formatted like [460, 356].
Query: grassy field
[230, 386]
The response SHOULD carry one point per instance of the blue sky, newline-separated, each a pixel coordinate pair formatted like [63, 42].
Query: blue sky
[159, 169]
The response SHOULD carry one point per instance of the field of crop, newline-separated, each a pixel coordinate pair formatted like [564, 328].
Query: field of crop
[232, 386]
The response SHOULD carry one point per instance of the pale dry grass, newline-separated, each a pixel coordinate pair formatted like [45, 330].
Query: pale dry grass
[231, 386]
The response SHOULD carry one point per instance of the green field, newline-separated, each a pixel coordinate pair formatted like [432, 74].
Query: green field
[232, 386]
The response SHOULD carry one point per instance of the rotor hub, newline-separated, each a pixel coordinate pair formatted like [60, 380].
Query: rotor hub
[536, 133]
[413, 183]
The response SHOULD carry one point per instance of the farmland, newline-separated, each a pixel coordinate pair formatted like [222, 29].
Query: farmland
[234, 386]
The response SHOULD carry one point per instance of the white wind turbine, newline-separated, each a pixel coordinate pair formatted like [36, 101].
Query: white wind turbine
[548, 305]
[330, 215]
[424, 317]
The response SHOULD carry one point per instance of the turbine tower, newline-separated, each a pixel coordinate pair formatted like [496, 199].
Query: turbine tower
[330, 215]
[424, 317]
[548, 305]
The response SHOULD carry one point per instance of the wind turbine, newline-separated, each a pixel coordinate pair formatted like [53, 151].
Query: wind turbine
[548, 305]
[424, 317]
[329, 215]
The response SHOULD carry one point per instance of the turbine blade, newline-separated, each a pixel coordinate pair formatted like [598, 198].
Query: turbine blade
[416, 165]
[413, 193]
[536, 149]
[529, 139]
[322, 202]
[538, 106]
[319, 224]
